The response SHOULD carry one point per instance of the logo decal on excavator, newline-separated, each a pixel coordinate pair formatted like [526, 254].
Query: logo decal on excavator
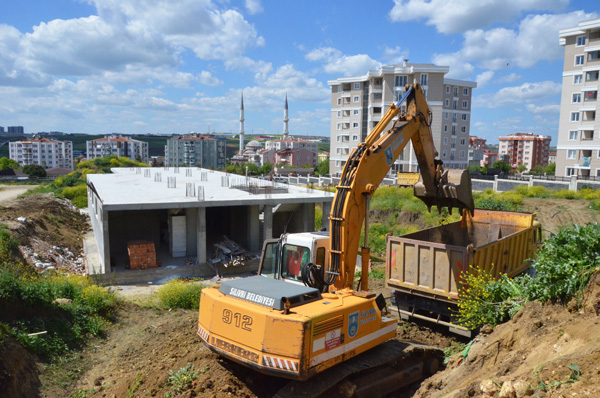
[389, 151]
[352, 324]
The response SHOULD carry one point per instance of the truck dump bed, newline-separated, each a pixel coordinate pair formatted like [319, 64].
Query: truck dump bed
[432, 262]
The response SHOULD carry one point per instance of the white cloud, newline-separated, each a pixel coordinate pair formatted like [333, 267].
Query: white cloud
[335, 62]
[254, 6]
[484, 78]
[550, 109]
[459, 67]
[395, 55]
[525, 93]
[454, 16]
[535, 40]
[208, 79]
[513, 77]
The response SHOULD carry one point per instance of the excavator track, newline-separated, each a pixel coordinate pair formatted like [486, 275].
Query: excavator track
[374, 373]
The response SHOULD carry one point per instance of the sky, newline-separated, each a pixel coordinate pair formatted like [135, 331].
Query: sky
[173, 67]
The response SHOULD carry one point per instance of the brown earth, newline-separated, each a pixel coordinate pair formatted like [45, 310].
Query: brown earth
[144, 345]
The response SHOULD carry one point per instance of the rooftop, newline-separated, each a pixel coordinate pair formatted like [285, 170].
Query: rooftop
[139, 189]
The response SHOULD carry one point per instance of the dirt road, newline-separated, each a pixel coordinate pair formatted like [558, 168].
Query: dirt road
[10, 192]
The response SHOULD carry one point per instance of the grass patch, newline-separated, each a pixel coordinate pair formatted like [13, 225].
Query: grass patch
[180, 293]
[30, 307]
[182, 379]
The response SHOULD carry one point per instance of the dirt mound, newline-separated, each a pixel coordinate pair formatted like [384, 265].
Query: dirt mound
[555, 213]
[546, 350]
[138, 354]
[49, 231]
[18, 370]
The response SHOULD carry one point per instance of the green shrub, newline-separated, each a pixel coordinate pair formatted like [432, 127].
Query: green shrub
[179, 293]
[66, 325]
[565, 194]
[182, 379]
[564, 263]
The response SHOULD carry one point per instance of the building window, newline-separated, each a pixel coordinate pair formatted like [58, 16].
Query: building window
[447, 102]
[570, 172]
[454, 104]
[377, 96]
[444, 154]
[463, 129]
[355, 112]
[571, 154]
[590, 96]
[579, 59]
[462, 154]
[445, 140]
[465, 91]
[463, 117]
[339, 88]
[356, 98]
[339, 127]
[574, 116]
[577, 79]
[355, 125]
[593, 55]
[465, 104]
[576, 97]
[400, 81]
[580, 41]
[446, 115]
[339, 113]
[462, 141]
[357, 86]
[354, 138]
[456, 91]
[423, 79]
[447, 89]
[573, 135]
[445, 128]
[339, 101]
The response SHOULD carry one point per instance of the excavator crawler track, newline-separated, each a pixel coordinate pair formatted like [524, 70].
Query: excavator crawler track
[374, 373]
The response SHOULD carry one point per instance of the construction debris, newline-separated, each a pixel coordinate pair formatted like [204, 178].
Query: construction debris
[230, 254]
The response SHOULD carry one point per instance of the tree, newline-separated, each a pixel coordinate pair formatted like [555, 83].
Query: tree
[521, 168]
[537, 170]
[499, 164]
[266, 168]
[550, 169]
[323, 167]
[34, 170]
[6, 163]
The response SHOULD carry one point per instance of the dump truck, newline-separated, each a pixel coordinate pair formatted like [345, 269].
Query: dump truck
[426, 269]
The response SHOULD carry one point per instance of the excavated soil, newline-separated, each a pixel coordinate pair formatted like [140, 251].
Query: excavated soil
[534, 354]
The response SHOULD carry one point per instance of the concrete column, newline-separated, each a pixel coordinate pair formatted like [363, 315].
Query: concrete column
[106, 243]
[326, 212]
[201, 236]
[530, 184]
[268, 222]
[495, 186]
[308, 217]
[253, 227]
[573, 184]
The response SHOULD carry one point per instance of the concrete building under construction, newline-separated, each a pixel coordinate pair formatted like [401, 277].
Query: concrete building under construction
[184, 212]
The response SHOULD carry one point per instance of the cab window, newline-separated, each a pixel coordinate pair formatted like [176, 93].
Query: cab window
[294, 258]
[268, 267]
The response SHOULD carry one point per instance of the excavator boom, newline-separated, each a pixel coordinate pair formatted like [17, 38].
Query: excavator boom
[367, 166]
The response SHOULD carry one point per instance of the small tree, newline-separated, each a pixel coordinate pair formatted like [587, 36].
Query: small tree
[521, 168]
[323, 167]
[550, 169]
[6, 163]
[537, 170]
[34, 170]
[504, 167]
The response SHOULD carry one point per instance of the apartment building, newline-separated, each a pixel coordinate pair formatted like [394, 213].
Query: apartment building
[195, 150]
[117, 145]
[42, 151]
[578, 149]
[529, 150]
[358, 103]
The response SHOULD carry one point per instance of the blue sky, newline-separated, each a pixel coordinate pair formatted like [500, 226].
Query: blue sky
[163, 66]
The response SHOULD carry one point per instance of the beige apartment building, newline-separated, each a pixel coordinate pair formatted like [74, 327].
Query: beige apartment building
[117, 145]
[527, 149]
[358, 103]
[42, 151]
[578, 149]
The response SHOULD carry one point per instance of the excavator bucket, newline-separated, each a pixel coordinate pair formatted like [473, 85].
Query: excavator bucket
[454, 191]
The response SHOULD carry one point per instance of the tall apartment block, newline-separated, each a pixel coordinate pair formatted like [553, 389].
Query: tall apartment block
[117, 145]
[195, 150]
[44, 152]
[529, 150]
[358, 103]
[578, 149]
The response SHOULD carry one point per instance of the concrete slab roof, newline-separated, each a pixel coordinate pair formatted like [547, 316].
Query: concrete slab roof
[167, 188]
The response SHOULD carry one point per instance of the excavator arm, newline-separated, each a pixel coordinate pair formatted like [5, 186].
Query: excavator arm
[366, 167]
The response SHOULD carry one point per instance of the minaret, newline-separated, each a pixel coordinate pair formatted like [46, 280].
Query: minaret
[242, 125]
[285, 119]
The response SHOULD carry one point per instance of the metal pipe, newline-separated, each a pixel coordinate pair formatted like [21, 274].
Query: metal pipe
[425, 318]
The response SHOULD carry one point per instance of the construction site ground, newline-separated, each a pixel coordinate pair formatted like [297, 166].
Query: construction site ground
[540, 347]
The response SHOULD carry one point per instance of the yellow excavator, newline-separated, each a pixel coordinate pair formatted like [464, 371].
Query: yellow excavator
[301, 316]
